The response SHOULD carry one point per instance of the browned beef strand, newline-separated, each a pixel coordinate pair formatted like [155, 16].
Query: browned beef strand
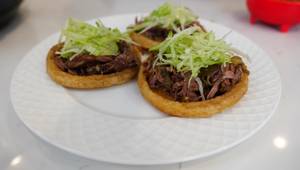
[157, 33]
[196, 23]
[216, 80]
[88, 64]
[160, 34]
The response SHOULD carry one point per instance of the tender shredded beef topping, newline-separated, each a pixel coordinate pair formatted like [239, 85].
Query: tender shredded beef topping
[160, 34]
[157, 33]
[215, 80]
[85, 64]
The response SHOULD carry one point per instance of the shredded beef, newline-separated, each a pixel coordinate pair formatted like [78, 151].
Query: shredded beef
[215, 80]
[159, 34]
[86, 64]
[196, 23]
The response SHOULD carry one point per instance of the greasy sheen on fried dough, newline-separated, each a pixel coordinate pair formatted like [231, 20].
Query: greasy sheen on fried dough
[143, 41]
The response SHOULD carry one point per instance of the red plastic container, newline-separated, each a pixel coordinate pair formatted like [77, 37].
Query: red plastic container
[276, 12]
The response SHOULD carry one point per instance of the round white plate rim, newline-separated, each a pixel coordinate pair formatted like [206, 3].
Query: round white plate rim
[158, 162]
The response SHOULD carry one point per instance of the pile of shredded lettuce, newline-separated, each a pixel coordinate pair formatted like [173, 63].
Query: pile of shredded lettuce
[167, 16]
[190, 50]
[80, 37]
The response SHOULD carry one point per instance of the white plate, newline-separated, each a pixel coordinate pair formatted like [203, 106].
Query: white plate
[117, 125]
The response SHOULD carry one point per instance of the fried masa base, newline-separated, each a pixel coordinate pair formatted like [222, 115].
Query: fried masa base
[89, 81]
[143, 41]
[205, 108]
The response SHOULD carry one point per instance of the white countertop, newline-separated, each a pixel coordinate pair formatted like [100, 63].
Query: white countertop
[276, 146]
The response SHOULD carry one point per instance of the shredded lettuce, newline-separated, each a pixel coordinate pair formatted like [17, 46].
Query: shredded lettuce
[191, 50]
[80, 37]
[167, 16]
